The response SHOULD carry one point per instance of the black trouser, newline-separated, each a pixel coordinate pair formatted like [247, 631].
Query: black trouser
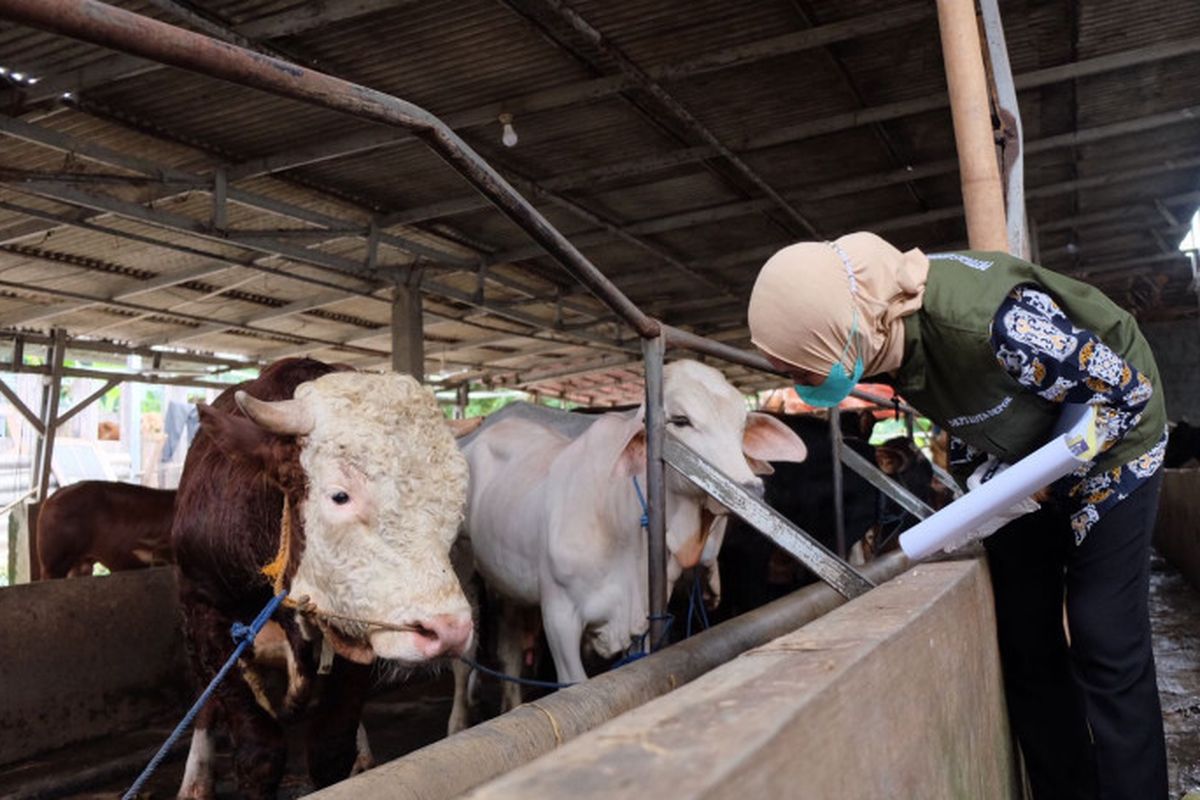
[1087, 715]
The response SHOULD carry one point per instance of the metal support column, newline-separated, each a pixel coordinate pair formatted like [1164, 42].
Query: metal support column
[839, 495]
[462, 398]
[45, 448]
[1012, 137]
[220, 213]
[408, 343]
[50, 413]
[653, 350]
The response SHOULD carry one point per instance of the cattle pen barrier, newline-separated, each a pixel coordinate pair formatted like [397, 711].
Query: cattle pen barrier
[129, 32]
[469, 759]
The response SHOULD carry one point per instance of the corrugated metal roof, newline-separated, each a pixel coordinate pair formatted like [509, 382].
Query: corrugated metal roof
[471, 59]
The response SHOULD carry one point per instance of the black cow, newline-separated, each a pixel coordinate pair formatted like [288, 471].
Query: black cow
[1184, 445]
[754, 571]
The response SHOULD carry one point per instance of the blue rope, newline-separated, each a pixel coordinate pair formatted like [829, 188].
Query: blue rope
[512, 678]
[637, 487]
[243, 636]
[695, 597]
[636, 650]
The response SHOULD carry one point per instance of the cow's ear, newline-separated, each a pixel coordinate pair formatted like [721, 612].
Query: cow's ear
[236, 436]
[768, 439]
[759, 467]
[633, 457]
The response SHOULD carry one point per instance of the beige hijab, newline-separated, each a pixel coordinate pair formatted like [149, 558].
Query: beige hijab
[806, 295]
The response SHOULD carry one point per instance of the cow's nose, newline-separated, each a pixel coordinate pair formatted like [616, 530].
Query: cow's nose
[445, 634]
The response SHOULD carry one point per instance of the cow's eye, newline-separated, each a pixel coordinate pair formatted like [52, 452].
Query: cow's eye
[341, 498]
[680, 420]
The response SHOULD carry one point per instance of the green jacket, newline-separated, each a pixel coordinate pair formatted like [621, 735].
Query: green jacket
[951, 374]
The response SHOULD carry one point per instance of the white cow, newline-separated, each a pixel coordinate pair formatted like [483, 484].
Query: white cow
[554, 517]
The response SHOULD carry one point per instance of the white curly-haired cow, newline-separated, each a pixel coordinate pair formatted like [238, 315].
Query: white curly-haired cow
[554, 518]
[373, 487]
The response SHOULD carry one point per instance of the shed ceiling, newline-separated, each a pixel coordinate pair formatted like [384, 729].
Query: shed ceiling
[835, 109]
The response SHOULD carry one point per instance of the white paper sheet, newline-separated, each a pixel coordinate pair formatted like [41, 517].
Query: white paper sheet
[1074, 442]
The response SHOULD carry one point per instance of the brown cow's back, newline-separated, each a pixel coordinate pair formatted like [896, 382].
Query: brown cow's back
[227, 521]
[120, 525]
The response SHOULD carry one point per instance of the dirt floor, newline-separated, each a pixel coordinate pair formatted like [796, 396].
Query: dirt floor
[401, 720]
[398, 721]
[1175, 616]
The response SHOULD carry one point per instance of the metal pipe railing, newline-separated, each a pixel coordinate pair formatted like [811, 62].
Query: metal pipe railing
[129, 32]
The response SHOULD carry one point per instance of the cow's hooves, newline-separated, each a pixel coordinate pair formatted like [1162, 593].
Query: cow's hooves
[362, 764]
[197, 791]
[457, 724]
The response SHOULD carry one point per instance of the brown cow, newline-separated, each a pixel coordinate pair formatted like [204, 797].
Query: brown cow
[375, 486]
[120, 525]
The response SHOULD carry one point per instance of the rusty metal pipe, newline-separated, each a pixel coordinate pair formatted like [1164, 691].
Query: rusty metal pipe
[128, 32]
[979, 173]
[747, 358]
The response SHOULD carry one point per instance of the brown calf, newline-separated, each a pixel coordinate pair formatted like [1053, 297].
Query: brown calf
[120, 525]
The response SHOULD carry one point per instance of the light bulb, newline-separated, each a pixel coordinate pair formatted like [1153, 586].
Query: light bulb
[32, 81]
[509, 134]
[18, 76]
[3, 70]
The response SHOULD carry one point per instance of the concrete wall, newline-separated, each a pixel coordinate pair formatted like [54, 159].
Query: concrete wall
[86, 657]
[1176, 348]
[896, 694]
[1177, 534]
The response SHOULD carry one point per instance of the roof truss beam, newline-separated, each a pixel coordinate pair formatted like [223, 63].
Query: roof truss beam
[358, 143]
[821, 191]
[269, 244]
[127, 291]
[291, 309]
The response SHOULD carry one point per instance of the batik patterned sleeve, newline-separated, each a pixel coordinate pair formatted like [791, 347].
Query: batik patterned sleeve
[1039, 346]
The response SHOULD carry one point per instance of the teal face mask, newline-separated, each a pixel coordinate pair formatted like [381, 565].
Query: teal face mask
[837, 384]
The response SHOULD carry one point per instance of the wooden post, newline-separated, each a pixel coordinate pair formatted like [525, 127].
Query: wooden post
[966, 79]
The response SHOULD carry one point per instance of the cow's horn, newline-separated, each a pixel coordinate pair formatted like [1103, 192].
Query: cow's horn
[285, 417]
